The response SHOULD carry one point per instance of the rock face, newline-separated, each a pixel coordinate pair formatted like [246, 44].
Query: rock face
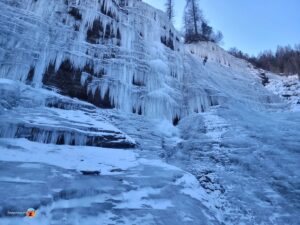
[205, 140]
[45, 117]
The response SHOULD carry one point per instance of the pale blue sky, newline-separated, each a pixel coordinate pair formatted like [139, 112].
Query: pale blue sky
[250, 25]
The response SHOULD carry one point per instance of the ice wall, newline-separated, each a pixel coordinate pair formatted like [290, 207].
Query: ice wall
[124, 56]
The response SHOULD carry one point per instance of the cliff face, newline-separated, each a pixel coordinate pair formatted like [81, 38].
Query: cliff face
[130, 58]
[72, 71]
[96, 51]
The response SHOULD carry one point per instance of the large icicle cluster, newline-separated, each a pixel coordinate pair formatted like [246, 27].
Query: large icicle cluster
[127, 56]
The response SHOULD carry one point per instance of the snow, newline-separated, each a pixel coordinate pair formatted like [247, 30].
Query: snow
[138, 199]
[68, 157]
[287, 88]
[215, 125]
[233, 157]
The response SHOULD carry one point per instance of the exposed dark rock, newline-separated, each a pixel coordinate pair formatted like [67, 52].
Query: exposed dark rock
[176, 120]
[107, 11]
[94, 33]
[76, 27]
[205, 60]
[167, 42]
[97, 100]
[118, 170]
[119, 37]
[208, 182]
[98, 33]
[137, 110]
[140, 111]
[90, 173]
[88, 68]
[108, 32]
[286, 96]
[264, 79]
[137, 82]
[68, 136]
[30, 75]
[75, 13]
[68, 80]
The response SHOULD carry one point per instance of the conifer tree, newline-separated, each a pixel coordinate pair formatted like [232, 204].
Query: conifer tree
[192, 21]
[170, 9]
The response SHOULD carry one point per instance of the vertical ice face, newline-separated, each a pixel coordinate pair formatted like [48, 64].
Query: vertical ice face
[114, 54]
[128, 56]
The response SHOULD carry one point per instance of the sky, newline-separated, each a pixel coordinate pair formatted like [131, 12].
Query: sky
[250, 25]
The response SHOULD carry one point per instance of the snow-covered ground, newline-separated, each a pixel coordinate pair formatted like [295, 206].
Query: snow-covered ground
[107, 117]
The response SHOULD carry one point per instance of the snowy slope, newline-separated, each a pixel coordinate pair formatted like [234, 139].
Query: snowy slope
[93, 86]
[288, 88]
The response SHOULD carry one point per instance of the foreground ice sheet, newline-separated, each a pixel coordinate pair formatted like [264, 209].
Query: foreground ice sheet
[130, 190]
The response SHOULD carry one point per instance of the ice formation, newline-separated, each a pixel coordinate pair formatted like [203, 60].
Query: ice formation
[129, 61]
[213, 142]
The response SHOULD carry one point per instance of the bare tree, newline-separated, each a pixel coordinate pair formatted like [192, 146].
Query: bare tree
[286, 60]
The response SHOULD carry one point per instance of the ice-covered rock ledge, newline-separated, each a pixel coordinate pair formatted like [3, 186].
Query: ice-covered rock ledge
[46, 117]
